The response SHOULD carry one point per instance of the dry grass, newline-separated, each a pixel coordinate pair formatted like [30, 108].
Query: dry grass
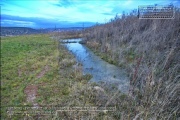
[150, 51]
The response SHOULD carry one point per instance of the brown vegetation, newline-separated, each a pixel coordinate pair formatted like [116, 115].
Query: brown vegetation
[67, 34]
[150, 50]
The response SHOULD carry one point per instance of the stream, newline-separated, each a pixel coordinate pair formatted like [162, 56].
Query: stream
[101, 70]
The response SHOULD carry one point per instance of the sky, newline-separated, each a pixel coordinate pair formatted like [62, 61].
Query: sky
[67, 13]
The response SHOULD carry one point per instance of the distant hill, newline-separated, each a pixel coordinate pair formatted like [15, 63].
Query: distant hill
[11, 31]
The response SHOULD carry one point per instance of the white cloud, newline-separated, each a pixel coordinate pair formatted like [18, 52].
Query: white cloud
[128, 2]
[17, 23]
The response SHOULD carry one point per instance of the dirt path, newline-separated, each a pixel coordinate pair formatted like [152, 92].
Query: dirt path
[31, 92]
[41, 74]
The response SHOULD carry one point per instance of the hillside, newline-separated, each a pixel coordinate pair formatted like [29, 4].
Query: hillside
[149, 49]
[13, 31]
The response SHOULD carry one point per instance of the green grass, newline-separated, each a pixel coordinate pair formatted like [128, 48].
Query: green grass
[61, 86]
[22, 59]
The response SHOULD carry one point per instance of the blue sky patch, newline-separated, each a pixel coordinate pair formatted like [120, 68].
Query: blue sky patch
[67, 13]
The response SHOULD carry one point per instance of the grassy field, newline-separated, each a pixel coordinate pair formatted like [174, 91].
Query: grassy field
[23, 60]
[38, 72]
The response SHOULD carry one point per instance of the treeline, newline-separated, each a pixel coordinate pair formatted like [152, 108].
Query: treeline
[150, 51]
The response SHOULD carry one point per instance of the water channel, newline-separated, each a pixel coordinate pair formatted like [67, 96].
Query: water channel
[101, 70]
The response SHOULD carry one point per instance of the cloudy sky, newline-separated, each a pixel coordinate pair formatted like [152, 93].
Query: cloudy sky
[67, 13]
